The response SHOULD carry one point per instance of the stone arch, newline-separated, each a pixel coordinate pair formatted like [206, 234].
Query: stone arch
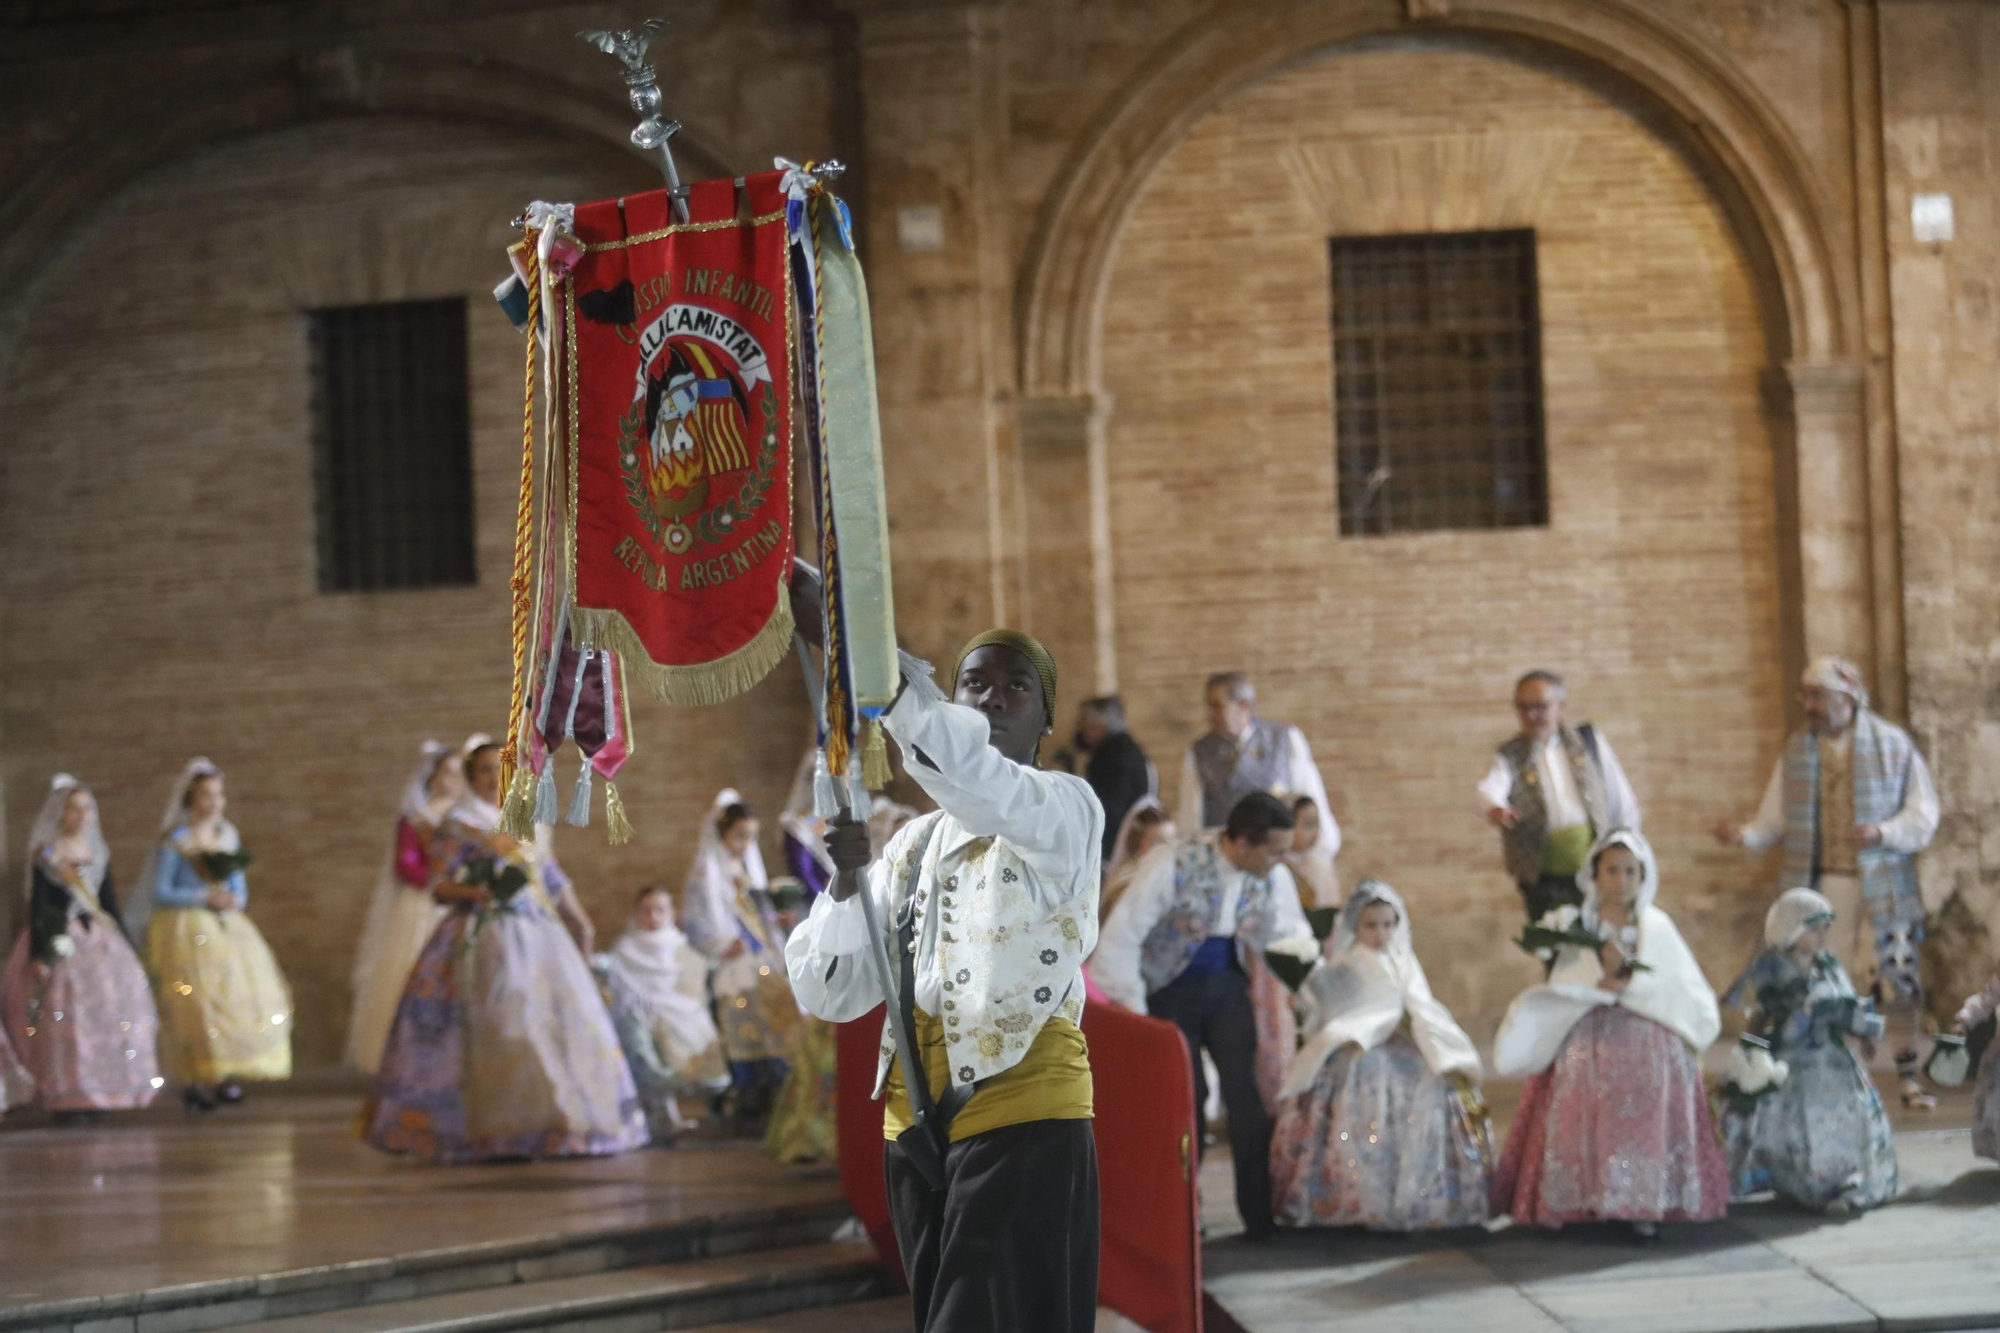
[1837, 594]
[83, 173]
[1750, 158]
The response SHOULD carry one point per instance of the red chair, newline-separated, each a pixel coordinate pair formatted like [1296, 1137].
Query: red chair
[858, 1122]
[1150, 1265]
[1150, 1270]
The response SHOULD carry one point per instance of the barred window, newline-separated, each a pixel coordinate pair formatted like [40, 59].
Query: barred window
[392, 446]
[1438, 383]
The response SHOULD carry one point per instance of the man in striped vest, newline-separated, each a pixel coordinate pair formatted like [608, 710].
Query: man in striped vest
[1851, 803]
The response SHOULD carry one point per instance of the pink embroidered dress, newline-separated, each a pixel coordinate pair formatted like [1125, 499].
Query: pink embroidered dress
[1614, 1123]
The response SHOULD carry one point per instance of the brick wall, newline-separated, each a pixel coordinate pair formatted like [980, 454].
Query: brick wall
[1941, 134]
[1654, 586]
[157, 542]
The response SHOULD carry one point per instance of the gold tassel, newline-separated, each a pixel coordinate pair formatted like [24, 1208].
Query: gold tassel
[616, 825]
[517, 812]
[875, 757]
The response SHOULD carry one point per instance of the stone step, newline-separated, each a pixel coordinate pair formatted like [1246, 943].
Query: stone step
[428, 1273]
[699, 1293]
[890, 1314]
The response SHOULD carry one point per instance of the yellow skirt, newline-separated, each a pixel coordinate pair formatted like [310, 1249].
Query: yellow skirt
[225, 1010]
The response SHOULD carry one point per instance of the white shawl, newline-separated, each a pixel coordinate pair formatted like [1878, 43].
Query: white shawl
[708, 907]
[1671, 991]
[661, 976]
[1361, 996]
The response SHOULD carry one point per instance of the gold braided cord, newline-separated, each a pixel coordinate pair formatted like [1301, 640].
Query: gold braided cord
[640, 238]
[510, 752]
[573, 427]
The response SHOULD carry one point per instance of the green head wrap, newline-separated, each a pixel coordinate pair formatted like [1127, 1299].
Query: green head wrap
[1028, 647]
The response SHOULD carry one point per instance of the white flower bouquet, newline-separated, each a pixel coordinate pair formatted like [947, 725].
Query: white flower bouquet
[1292, 959]
[1752, 1072]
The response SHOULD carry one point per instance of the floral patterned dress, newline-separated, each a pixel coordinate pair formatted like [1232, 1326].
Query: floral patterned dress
[1380, 1141]
[502, 1046]
[1821, 1137]
[1617, 1129]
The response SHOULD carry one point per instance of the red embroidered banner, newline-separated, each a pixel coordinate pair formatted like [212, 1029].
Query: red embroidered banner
[678, 384]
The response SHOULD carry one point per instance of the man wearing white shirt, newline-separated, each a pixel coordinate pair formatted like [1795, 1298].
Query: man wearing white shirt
[996, 896]
[1552, 791]
[1170, 949]
[1852, 803]
[1243, 753]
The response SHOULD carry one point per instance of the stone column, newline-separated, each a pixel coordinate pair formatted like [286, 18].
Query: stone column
[1826, 403]
[933, 117]
[1068, 520]
[1889, 684]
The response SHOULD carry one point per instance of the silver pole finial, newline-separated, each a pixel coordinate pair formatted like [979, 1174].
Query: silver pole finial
[642, 88]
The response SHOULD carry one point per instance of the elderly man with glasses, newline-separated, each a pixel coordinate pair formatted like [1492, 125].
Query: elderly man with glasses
[1552, 791]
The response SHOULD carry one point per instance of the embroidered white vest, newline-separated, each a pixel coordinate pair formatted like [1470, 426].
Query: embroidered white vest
[1006, 970]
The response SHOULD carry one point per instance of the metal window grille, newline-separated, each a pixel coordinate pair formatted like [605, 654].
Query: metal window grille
[1438, 383]
[392, 446]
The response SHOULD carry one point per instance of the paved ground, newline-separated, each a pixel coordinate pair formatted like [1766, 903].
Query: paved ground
[1927, 1261]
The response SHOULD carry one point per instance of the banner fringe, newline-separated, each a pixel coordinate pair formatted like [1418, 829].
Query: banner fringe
[704, 684]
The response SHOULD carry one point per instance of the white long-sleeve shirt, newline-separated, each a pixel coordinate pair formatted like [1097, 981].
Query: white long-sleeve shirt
[1116, 964]
[1050, 821]
[1909, 831]
[1563, 801]
[1303, 780]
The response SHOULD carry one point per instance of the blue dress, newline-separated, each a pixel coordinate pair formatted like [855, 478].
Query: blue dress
[1822, 1137]
[225, 1007]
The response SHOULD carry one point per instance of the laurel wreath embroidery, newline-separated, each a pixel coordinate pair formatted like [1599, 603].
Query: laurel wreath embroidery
[718, 523]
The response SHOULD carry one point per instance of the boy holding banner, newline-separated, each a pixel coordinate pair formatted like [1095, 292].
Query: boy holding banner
[992, 899]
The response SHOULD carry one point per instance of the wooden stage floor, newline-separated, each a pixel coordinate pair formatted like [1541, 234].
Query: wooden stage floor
[156, 1199]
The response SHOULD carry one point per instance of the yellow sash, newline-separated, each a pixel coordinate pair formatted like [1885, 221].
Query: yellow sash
[1052, 1082]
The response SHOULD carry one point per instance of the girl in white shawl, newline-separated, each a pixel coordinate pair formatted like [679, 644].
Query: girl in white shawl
[1614, 1122]
[727, 913]
[1379, 1120]
[1311, 856]
[656, 984]
[402, 914]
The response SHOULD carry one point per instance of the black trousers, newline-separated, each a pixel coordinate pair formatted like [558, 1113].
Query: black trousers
[1010, 1246]
[1544, 895]
[1214, 1013]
